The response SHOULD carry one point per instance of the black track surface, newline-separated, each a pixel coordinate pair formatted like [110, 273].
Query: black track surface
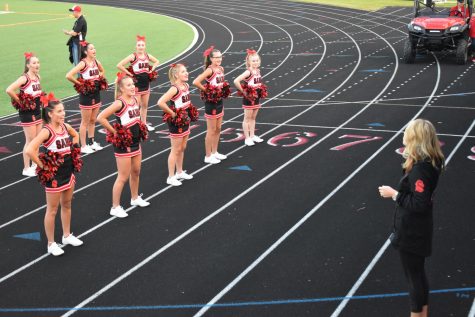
[333, 74]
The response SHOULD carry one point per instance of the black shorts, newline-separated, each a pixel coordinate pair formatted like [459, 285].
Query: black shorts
[142, 84]
[31, 117]
[178, 132]
[248, 104]
[214, 110]
[64, 178]
[91, 100]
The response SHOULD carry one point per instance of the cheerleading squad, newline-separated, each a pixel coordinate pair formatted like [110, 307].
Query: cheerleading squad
[53, 148]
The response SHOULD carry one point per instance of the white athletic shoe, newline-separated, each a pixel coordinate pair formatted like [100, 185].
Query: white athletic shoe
[183, 175]
[257, 139]
[96, 146]
[211, 160]
[150, 127]
[139, 202]
[249, 142]
[173, 181]
[87, 149]
[119, 212]
[30, 171]
[219, 156]
[72, 240]
[54, 249]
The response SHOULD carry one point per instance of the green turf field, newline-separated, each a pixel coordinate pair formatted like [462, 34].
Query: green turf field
[37, 26]
[370, 5]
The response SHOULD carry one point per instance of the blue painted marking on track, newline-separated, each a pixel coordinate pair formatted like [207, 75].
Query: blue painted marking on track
[460, 95]
[308, 90]
[375, 124]
[241, 168]
[230, 304]
[373, 71]
[29, 236]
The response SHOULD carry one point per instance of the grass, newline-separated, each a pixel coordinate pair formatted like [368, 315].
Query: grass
[37, 26]
[372, 5]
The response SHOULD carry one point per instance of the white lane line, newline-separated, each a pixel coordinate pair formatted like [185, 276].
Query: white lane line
[471, 313]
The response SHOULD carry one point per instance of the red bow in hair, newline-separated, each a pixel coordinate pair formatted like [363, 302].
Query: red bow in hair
[140, 38]
[250, 51]
[120, 75]
[45, 99]
[83, 43]
[28, 55]
[172, 65]
[208, 51]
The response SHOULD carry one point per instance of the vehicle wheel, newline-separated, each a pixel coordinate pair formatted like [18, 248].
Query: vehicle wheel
[409, 54]
[461, 54]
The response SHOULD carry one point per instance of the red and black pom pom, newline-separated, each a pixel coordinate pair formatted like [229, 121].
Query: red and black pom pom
[122, 138]
[152, 75]
[103, 85]
[27, 102]
[51, 162]
[181, 119]
[193, 113]
[143, 134]
[76, 157]
[85, 86]
[250, 93]
[226, 90]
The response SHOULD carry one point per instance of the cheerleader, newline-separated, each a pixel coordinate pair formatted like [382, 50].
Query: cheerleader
[179, 126]
[142, 73]
[55, 140]
[125, 136]
[89, 84]
[252, 80]
[28, 105]
[212, 94]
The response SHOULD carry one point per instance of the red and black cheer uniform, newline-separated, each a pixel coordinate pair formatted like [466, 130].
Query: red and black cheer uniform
[90, 100]
[140, 67]
[60, 143]
[129, 117]
[215, 110]
[254, 80]
[32, 87]
[180, 100]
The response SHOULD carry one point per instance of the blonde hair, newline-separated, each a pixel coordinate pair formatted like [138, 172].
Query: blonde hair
[248, 59]
[118, 84]
[422, 144]
[173, 71]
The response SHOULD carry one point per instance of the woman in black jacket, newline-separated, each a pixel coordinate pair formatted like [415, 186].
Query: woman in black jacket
[412, 232]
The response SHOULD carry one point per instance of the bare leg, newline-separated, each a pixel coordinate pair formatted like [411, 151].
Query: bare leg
[174, 153]
[216, 135]
[209, 139]
[65, 200]
[30, 134]
[123, 168]
[252, 122]
[92, 123]
[181, 154]
[246, 122]
[85, 119]
[144, 107]
[134, 178]
[52, 203]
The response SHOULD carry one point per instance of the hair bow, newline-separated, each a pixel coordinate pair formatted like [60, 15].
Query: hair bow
[140, 38]
[120, 76]
[45, 99]
[208, 51]
[250, 51]
[83, 43]
[28, 55]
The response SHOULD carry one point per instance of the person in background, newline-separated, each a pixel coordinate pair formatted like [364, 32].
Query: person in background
[77, 34]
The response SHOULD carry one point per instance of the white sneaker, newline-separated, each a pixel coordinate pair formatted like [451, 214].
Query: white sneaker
[249, 142]
[219, 156]
[33, 165]
[211, 160]
[173, 181]
[257, 139]
[54, 249]
[139, 202]
[150, 127]
[118, 211]
[30, 172]
[183, 175]
[72, 240]
[96, 146]
[87, 149]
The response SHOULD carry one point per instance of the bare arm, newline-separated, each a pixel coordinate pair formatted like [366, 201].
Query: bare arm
[33, 147]
[162, 102]
[197, 82]
[102, 118]
[154, 61]
[102, 71]
[237, 81]
[71, 75]
[125, 61]
[73, 133]
[11, 90]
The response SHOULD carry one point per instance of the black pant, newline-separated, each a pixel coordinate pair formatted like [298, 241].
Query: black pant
[413, 266]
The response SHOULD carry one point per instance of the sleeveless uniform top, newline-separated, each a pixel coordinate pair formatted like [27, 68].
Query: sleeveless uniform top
[90, 72]
[32, 86]
[140, 65]
[182, 98]
[129, 114]
[254, 80]
[58, 142]
[217, 77]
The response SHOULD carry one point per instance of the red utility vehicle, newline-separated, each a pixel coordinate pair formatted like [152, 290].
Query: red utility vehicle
[433, 30]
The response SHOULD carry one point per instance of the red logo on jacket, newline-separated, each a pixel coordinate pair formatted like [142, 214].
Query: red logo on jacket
[419, 186]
